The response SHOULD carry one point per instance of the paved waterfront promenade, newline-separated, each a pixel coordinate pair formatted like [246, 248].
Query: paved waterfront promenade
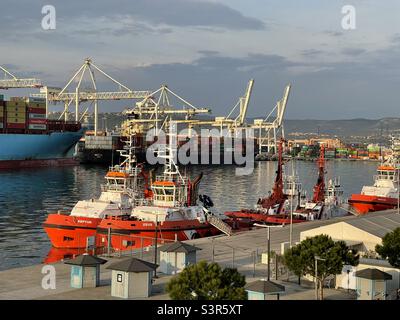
[238, 250]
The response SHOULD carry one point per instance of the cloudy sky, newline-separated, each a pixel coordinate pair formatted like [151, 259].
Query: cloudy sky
[207, 50]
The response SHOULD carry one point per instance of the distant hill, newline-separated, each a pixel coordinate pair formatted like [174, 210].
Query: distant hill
[344, 128]
[339, 128]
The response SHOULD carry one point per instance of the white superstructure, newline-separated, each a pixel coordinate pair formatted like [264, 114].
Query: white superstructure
[385, 181]
[120, 191]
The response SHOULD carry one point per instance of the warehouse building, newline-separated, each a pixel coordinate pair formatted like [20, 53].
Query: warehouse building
[363, 234]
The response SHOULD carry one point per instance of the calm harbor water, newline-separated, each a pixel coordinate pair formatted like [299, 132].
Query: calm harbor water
[27, 196]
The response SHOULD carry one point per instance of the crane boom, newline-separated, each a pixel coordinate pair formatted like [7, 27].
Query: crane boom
[282, 105]
[244, 102]
[88, 96]
[13, 82]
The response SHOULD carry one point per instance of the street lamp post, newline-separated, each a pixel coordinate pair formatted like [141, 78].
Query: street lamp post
[269, 252]
[316, 274]
[268, 244]
[155, 247]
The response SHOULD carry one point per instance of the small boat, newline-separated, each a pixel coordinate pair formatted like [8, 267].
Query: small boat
[383, 195]
[77, 228]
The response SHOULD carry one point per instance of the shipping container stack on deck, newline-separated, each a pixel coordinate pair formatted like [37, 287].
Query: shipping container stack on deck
[22, 115]
[36, 114]
[15, 114]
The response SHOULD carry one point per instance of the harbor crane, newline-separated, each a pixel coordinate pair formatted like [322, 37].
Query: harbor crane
[269, 127]
[243, 104]
[157, 109]
[231, 123]
[10, 81]
[80, 94]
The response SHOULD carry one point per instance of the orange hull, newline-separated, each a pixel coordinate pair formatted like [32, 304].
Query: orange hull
[127, 234]
[364, 203]
[66, 231]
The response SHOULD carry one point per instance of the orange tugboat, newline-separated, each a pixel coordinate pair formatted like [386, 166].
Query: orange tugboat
[171, 214]
[75, 229]
[383, 194]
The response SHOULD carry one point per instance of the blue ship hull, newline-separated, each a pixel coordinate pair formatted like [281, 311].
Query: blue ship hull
[20, 147]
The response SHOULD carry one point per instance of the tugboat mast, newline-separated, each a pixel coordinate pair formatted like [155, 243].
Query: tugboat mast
[319, 188]
[277, 196]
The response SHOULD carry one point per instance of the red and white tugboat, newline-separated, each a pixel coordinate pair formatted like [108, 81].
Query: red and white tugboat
[271, 208]
[383, 194]
[171, 214]
[72, 230]
[323, 203]
[313, 209]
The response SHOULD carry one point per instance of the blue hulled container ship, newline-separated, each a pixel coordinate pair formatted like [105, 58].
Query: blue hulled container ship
[29, 139]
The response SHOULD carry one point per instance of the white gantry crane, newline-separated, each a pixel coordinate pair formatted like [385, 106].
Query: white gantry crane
[157, 109]
[80, 94]
[10, 81]
[230, 122]
[269, 129]
[243, 104]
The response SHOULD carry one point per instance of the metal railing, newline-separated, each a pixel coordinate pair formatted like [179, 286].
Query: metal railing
[248, 261]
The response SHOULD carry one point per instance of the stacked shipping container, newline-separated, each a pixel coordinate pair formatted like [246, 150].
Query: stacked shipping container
[36, 114]
[15, 113]
[23, 114]
[103, 142]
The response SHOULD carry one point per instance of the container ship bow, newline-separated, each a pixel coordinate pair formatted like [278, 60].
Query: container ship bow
[28, 139]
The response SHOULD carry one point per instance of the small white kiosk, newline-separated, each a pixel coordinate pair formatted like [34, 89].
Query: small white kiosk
[131, 278]
[371, 284]
[174, 257]
[85, 271]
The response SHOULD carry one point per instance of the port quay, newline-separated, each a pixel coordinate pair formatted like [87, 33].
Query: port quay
[199, 159]
[242, 250]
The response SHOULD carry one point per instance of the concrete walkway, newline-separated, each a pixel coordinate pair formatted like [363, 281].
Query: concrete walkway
[237, 251]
